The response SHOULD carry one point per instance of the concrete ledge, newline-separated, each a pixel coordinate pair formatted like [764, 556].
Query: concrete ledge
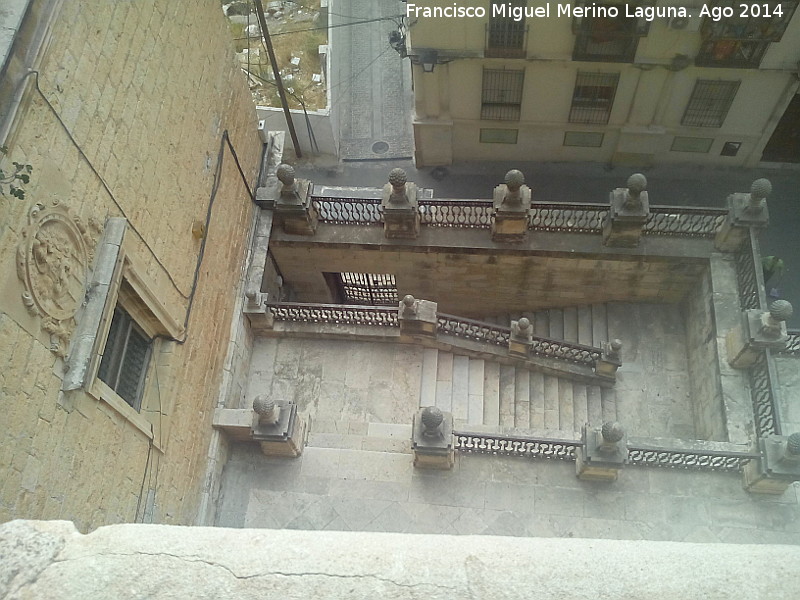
[51, 560]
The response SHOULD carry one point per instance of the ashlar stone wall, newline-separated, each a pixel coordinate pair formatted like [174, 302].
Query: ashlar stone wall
[146, 90]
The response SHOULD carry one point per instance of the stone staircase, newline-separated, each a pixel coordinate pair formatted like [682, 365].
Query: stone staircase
[485, 393]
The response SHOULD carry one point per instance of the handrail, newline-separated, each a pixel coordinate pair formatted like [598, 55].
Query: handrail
[565, 217]
[684, 221]
[498, 335]
[640, 455]
[339, 314]
[793, 345]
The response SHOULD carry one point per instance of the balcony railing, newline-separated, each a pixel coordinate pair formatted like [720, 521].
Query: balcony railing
[477, 331]
[793, 345]
[564, 217]
[339, 314]
[638, 454]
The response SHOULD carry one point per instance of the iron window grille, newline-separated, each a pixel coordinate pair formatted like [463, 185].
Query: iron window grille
[125, 358]
[710, 102]
[370, 289]
[501, 97]
[505, 36]
[593, 98]
[608, 39]
[743, 39]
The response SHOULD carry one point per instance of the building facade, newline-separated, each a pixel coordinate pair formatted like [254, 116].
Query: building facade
[119, 265]
[673, 82]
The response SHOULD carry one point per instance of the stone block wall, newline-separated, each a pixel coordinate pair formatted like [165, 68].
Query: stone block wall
[146, 90]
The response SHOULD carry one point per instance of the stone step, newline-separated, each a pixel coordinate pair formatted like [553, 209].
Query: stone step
[566, 410]
[507, 389]
[570, 324]
[359, 435]
[491, 394]
[599, 324]
[594, 404]
[427, 392]
[475, 389]
[609, 404]
[444, 381]
[460, 388]
[556, 318]
[541, 323]
[580, 405]
[585, 325]
[536, 400]
[522, 397]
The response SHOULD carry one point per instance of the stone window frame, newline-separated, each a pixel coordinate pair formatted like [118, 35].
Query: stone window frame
[119, 279]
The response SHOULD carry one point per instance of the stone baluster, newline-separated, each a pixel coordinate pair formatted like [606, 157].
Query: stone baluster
[778, 467]
[512, 207]
[417, 317]
[400, 207]
[744, 211]
[521, 338]
[432, 439]
[757, 331]
[628, 212]
[610, 359]
[294, 211]
[603, 454]
[256, 309]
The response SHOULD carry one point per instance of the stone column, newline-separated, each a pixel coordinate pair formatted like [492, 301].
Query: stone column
[629, 209]
[778, 467]
[512, 207]
[604, 452]
[417, 317]
[278, 427]
[744, 211]
[293, 209]
[757, 331]
[400, 207]
[610, 359]
[432, 439]
[519, 343]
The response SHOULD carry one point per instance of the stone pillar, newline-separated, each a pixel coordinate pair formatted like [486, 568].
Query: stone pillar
[519, 343]
[757, 331]
[629, 209]
[256, 309]
[744, 211]
[778, 467]
[604, 452]
[512, 206]
[610, 359]
[400, 207]
[417, 317]
[278, 427]
[293, 210]
[432, 439]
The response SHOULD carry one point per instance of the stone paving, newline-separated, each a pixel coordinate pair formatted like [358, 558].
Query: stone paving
[372, 95]
[341, 489]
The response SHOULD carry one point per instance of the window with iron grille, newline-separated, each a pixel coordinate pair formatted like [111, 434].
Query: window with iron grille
[125, 358]
[505, 36]
[371, 289]
[743, 39]
[709, 103]
[501, 96]
[608, 38]
[593, 97]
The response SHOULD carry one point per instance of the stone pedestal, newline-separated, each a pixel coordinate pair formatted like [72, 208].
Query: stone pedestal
[604, 452]
[511, 213]
[282, 436]
[400, 207]
[629, 210]
[417, 317]
[293, 209]
[610, 359]
[432, 439]
[757, 331]
[256, 310]
[519, 343]
[744, 211]
[778, 467]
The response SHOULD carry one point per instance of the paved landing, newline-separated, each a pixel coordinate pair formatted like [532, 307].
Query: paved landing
[352, 490]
